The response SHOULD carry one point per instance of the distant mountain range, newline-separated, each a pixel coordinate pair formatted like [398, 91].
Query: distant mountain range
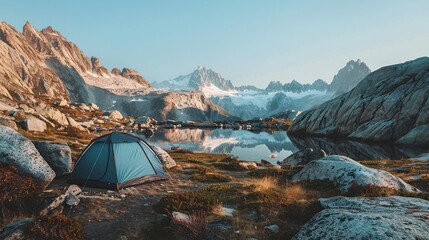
[38, 64]
[249, 101]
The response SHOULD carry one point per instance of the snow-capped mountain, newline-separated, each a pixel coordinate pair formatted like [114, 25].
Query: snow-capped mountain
[296, 87]
[198, 79]
[248, 101]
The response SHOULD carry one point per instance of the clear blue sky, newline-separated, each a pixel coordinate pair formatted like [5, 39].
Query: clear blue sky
[247, 41]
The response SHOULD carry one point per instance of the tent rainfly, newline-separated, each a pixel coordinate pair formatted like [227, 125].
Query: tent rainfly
[117, 160]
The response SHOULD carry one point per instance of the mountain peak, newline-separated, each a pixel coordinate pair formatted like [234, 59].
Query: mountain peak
[349, 76]
[201, 67]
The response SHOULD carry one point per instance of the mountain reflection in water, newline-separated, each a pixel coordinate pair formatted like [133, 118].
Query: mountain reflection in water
[244, 144]
[255, 146]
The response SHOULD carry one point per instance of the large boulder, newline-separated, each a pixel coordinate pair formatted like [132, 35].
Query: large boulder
[113, 114]
[165, 158]
[303, 157]
[369, 218]
[345, 173]
[385, 106]
[21, 152]
[33, 124]
[57, 154]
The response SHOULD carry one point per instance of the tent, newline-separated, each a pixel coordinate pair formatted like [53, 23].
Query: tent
[117, 160]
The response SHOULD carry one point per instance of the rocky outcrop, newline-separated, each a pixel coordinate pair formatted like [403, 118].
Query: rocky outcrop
[346, 173]
[98, 68]
[57, 155]
[133, 74]
[387, 105]
[20, 152]
[369, 218]
[303, 157]
[348, 77]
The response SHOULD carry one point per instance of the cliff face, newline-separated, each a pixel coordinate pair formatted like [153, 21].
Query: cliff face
[390, 104]
[23, 71]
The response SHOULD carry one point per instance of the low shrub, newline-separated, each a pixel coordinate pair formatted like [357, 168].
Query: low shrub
[370, 190]
[211, 178]
[77, 133]
[54, 227]
[186, 202]
[232, 166]
[15, 186]
[196, 228]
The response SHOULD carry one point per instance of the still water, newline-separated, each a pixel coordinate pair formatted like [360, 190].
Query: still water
[272, 147]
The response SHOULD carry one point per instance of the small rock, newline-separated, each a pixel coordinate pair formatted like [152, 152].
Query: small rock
[181, 217]
[249, 165]
[8, 123]
[93, 106]
[72, 200]
[122, 195]
[63, 103]
[272, 228]
[34, 124]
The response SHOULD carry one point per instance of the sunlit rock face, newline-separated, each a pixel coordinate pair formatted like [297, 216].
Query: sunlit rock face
[387, 105]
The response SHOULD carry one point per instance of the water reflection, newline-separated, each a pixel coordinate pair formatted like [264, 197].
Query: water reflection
[260, 145]
[244, 144]
[358, 150]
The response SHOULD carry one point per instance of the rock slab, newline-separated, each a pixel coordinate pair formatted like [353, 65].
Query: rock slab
[369, 218]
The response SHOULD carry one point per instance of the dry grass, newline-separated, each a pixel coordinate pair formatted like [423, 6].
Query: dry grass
[297, 193]
[263, 184]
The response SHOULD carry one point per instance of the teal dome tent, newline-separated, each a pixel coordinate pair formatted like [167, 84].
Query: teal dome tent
[117, 160]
